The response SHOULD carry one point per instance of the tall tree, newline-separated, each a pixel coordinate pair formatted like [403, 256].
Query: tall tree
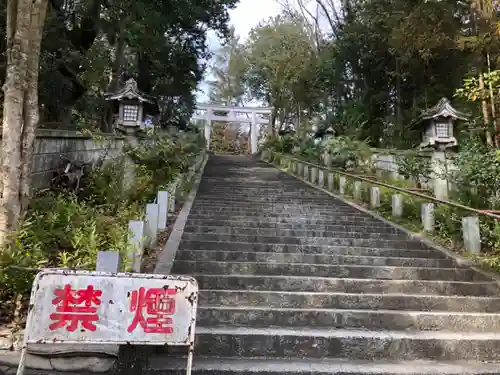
[228, 71]
[281, 66]
[25, 21]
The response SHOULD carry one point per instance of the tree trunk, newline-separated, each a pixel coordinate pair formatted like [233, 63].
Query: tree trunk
[486, 114]
[492, 105]
[25, 21]
[119, 58]
[31, 109]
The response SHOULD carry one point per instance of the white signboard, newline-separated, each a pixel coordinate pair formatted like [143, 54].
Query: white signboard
[103, 308]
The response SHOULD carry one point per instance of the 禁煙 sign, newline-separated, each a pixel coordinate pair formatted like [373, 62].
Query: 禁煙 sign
[79, 307]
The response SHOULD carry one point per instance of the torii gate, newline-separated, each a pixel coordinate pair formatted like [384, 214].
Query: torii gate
[233, 115]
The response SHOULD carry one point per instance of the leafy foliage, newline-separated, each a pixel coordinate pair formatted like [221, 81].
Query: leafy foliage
[478, 174]
[414, 166]
[448, 220]
[91, 46]
[67, 230]
[345, 152]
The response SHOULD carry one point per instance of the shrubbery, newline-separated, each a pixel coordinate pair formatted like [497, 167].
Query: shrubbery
[67, 229]
[448, 220]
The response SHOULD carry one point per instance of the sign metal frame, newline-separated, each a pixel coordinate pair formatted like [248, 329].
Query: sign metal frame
[31, 321]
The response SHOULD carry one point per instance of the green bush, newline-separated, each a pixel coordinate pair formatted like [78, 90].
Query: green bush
[66, 231]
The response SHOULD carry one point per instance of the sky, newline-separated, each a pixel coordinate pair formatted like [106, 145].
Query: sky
[247, 15]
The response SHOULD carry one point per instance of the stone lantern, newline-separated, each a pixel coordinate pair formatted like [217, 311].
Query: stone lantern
[133, 109]
[330, 132]
[438, 125]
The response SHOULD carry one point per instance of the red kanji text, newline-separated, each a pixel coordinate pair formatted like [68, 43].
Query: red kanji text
[152, 308]
[75, 307]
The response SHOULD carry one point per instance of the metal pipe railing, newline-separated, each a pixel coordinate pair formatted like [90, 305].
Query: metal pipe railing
[395, 188]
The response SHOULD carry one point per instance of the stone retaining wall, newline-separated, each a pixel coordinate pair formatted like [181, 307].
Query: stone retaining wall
[51, 144]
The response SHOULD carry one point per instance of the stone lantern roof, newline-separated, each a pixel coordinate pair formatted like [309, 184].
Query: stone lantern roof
[443, 109]
[130, 92]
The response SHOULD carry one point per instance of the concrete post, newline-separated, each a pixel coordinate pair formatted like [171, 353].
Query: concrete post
[397, 205]
[208, 128]
[439, 181]
[314, 175]
[330, 181]
[327, 159]
[136, 245]
[108, 261]
[357, 190]
[471, 234]
[300, 169]
[427, 214]
[162, 209]
[253, 133]
[171, 197]
[151, 224]
[375, 197]
[306, 172]
[321, 178]
[342, 183]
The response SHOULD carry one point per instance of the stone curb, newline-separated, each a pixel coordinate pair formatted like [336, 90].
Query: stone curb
[450, 254]
[167, 256]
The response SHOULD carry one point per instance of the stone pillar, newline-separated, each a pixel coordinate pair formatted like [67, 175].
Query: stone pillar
[427, 214]
[327, 159]
[321, 178]
[342, 183]
[397, 205]
[253, 133]
[306, 172]
[208, 128]
[357, 190]
[151, 224]
[330, 181]
[314, 175]
[375, 197]
[439, 181]
[162, 199]
[471, 234]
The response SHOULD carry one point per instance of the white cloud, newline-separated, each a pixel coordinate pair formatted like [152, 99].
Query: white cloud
[250, 12]
[244, 17]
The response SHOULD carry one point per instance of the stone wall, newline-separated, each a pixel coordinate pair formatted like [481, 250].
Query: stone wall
[51, 144]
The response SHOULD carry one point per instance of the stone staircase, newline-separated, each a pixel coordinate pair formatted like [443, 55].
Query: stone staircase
[293, 281]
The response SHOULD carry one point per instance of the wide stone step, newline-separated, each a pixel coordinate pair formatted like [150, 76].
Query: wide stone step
[293, 204]
[375, 227]
[339, 240]
[271, 199]
[346, 344]
[325, 270]
[344, 285]
[280, 232]
[166, 365]
[292, 219]
[206, 190]
[288, 214]
[277, 210]
[254, 317]
[262, 196]
[309, 249]
[238, 256]
[365, 301]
